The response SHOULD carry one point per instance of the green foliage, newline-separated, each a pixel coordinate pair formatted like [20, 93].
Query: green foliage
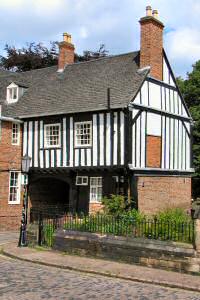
[173, 215]
[172, 224]
[33, 56]
[190, 89]
[48, 231]
[115, 205]
[37, 56]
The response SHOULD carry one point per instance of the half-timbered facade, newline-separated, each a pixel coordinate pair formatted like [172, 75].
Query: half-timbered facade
[114, 125]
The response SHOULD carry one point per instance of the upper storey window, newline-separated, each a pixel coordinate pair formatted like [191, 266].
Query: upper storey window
[12, 93]
[52, 135]
[83, 134]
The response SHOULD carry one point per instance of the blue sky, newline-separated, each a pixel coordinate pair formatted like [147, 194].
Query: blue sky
[113, 22]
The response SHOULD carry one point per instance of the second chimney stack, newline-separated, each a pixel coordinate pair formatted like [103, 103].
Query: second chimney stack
[66, 52]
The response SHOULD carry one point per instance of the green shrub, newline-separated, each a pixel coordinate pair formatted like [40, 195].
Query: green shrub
[173, 215]
[116, 205]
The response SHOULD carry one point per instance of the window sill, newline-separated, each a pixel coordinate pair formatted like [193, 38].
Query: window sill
[95, 202]
[50, 148]
[14, 203]
[83, 147]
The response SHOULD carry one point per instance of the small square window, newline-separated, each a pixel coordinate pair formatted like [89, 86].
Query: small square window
[52, 135]
[81, 180]
[12, 95]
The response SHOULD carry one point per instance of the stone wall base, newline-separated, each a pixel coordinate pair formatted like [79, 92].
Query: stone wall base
[165, 255]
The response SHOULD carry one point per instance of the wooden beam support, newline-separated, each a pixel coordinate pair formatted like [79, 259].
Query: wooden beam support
[159, 112]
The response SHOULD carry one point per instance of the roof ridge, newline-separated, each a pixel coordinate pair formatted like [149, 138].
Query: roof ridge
[101, 58]
[34, 70]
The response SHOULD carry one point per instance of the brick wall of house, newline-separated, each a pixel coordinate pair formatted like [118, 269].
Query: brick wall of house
[159, 193]
[95, 207]
[10, 159]
[154, 151]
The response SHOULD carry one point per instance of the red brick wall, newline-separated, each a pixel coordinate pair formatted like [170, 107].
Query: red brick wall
[159, 193]
[95, 207]
[154, 151]
[66, 55]
[151, 46]
[10, 159]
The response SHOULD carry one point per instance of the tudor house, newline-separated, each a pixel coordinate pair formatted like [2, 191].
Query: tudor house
[116, 125]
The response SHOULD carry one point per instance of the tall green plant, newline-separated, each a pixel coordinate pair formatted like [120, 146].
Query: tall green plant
[115, 205]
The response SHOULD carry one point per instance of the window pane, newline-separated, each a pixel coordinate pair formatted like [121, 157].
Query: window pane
[14, 93]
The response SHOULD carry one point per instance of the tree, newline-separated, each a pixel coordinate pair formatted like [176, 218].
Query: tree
[90, 55]
[190, 89]
[37, 56]
[34, 56]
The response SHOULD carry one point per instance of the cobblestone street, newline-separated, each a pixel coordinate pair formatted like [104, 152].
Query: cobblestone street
[23, 280]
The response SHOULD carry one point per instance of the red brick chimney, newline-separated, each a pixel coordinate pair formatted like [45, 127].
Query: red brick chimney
[151, 43]
[66, 52]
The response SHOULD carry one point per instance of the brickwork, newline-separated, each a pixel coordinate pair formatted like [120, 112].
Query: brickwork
[95, 207]
[151, 46]
[66, 55]
[154, 151]
[159, 193]
[10, 159]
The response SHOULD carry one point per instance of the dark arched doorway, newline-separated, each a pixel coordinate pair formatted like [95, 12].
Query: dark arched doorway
[49, 193]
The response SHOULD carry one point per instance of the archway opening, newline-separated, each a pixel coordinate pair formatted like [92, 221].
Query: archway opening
[49, 194]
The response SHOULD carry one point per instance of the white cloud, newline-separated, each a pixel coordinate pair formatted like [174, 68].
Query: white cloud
[83, 32]
[184, 43]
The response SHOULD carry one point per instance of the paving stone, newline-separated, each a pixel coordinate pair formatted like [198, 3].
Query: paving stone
[24, 280]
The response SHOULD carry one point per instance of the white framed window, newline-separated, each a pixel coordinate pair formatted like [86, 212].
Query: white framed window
[83, 134]
[81, 180]
[52, 135]
[14, 187]
[15, 133]
[95, 189]
[12, 93]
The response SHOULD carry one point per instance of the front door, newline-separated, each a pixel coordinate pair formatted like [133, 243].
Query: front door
[82, 199]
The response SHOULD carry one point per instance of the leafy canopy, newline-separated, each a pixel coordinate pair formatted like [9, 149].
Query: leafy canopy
[190, 89]
[37, 56]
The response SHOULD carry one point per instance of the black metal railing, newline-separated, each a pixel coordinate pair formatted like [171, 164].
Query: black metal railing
[119, 226]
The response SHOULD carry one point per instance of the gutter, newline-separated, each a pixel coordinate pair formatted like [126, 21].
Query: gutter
[131, 167]
[9, 119]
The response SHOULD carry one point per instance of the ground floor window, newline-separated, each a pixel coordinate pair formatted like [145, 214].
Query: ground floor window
[95, 189]
[14, 188]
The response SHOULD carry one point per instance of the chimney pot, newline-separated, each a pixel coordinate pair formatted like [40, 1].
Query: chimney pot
[155, 13]
[67, 37]
[148, 11]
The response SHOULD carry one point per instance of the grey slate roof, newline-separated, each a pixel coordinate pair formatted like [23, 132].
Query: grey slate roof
[81, 87]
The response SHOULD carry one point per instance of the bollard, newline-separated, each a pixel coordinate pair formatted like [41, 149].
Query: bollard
[197, 235]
